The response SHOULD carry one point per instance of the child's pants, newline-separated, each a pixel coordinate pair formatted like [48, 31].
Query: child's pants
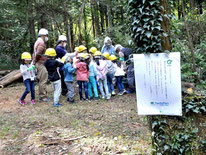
[103, 82]
[57, 90]
[85, 83]
[120, 85]
[30, 86]
[70, 89]
[109, 82]
[92, 84]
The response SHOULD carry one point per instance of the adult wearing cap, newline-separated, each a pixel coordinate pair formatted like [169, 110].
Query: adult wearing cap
[38, 60]
[108, 47]
[124, 54]
[61, 52]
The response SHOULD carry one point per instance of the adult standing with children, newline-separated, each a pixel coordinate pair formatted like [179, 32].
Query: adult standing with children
[108, 47]
[38, 60]
[60, 52]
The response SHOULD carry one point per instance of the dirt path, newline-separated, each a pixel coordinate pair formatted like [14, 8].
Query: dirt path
[103, 127]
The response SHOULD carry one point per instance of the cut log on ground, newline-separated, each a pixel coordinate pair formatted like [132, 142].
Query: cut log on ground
[4, 72]
[11, 77]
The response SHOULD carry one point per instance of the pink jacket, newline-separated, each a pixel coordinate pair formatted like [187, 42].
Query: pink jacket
[102, 70]
[82, 72]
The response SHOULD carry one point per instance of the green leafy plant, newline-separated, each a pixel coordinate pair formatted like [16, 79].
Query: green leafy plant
[145, 25]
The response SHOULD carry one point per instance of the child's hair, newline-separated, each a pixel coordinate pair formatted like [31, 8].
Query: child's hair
[97, 61]
[83, 60]
[50, 57]
[117, 62]
[23, 61]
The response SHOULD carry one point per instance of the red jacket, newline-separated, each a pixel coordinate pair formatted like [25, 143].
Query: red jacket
[82, 72]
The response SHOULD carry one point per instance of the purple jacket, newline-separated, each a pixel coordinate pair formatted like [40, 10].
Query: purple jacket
[102, 70]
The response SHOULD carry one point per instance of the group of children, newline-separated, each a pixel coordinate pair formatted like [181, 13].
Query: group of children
[95, 73]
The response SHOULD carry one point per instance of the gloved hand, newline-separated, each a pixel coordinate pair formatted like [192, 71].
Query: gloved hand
[60, 60]
[32, 67]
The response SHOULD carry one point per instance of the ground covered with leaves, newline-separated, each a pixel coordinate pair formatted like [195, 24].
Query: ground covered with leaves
[101, 127]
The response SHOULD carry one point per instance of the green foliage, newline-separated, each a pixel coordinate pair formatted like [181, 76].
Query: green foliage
[177, 135]
[145, 25]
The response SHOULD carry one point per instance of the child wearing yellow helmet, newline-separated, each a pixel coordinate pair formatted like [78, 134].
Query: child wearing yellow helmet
[82, 70]
[110, 73]
[28, 74]
[119, 74]
[102, 69]
[52, 66]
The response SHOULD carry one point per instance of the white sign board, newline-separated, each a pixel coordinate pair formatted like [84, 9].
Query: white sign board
[158, 84]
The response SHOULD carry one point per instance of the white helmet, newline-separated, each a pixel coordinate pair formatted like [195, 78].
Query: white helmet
[118, 46]
[43, 32]
[62, 38]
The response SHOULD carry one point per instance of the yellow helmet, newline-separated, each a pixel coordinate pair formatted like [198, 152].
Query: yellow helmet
[76, 49]
[106, 55]
[93, 50]
[81, 48]
[50, 52]
[65, 58]
[97, 53]
[87, 56]
[26, 56]
[82, 56]
[112, 57]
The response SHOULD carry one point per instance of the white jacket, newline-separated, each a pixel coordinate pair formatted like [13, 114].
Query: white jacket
[119, 71]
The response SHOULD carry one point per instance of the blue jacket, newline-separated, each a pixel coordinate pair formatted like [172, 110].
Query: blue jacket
[68, 72]
[92, 69]
[110, 49]
[61, 51]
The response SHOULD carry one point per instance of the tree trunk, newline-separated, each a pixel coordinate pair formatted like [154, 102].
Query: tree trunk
[166, 43]
[109, 15]
[200, 7]
[102, 18]
[80, 23]
[96, 17]
[71, 32]
[179, 12]
[67, 28]
[192, 5]
[85, 29]
[32, 26]
[93, 27]
[106, 19]
[189, 38]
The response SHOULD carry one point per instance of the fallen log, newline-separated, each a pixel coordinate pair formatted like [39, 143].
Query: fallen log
[10, 74]
[4, 72]
[9, 78]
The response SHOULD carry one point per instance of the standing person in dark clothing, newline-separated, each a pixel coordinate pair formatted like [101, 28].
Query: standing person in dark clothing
[60, 52]
[52, 66]
[126, 56]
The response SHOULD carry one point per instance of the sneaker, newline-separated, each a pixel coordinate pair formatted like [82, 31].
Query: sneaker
[96, 98]
[103, 97]
[91, 98]
[33, 102]
[124, 91]
[22, 102]
[45, 99]
[108, 97]
[120, 93]
[82, 100]
[88, 100]
[57, 104]
[113, 93]
[130, 91]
